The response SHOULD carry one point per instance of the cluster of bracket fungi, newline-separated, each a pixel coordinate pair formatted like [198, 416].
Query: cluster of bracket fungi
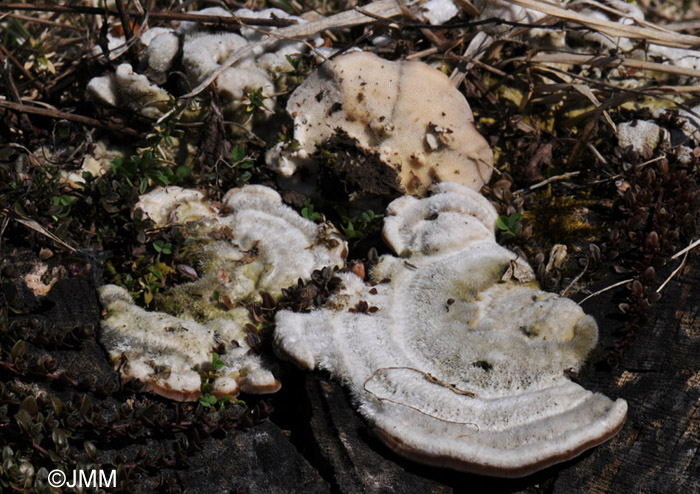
[459, 359]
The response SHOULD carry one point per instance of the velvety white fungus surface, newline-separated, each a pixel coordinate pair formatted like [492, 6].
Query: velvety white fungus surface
[203, 52]
[451, 365]
[425, 136]
[250, 244]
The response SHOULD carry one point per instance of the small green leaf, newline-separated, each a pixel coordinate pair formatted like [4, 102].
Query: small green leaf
[29, 404]
[243, 178]
[216, 361]
[208, 400]
[294, 62]
[308, 211]
[256, 99]
[63, 131]
[237, 153]
[163, 247]
[117, 163]
[182, 172]
[510, 225]
[18, 350]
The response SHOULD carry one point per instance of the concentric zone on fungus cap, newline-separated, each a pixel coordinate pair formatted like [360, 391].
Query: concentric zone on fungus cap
[454, 366]
[253, 244]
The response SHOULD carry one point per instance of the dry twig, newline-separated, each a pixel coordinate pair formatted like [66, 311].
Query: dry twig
[650, 33]
[383, 8]
[159, 16]
[20, 107]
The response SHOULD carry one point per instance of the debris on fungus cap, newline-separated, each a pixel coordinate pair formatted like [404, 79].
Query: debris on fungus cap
[451, 365]
[409, 114]
[250, 245]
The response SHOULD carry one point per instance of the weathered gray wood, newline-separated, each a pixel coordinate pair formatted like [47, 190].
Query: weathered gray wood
[354, 459]
[254, 459]
[334, 451]
[659, 376]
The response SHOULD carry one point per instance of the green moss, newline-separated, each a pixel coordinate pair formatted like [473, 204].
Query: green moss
[563, 219]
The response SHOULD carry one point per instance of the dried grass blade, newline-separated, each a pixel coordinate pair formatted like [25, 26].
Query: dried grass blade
[586, 91]
[614, 11]
[36, 227]
[576, 59]
[382, 8]
[651, 34]
[69, 116]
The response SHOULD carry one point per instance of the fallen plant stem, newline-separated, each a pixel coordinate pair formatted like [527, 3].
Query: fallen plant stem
[692, 245]
[162, 16]
[639, 166]
[36, 227]
[12, 89]
[126, 26]
[434, 38]
[21, 68]
[607, 288]
[605, 61]
[430, 378]
[673, 274]
[47, 22]
[39, 449]
[60, 115]
[349, 18]
[547, 181]
[650, 33]
[573, 282]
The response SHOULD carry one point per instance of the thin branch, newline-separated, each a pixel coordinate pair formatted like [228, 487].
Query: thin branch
[126, 25]
[383, 8]
[653, 34]
[46, 22]
[605, 61]
[21, 68]
[595, 294]
[573, 282]
[673, 274]
[36, 227]
[73, 117]
[547, 181]
[162, 16]
[638, 167]
[11, 89]
[687, 249]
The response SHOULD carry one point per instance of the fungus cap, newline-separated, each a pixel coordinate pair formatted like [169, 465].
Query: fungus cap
[251, 245]
[408, 113]
[197, 53]
[450, 365]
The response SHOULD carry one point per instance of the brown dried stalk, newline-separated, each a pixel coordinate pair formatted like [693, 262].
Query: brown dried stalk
[161, 16]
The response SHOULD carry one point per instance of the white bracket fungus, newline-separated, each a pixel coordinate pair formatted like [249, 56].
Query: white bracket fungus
[203, 53]
[97, 162]
[437, 12]
[451, 365]
[420, 125]
[250, 245]
[132, 90]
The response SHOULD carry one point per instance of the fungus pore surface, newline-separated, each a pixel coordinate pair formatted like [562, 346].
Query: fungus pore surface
[423, 136]
[250, 245]
[452, 353]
